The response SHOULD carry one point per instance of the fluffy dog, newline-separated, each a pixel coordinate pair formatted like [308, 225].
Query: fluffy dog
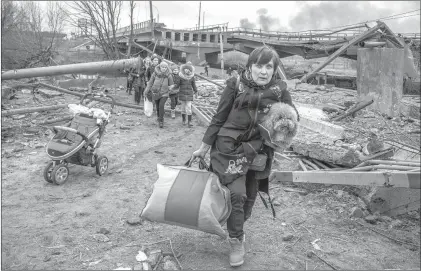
[280, 125]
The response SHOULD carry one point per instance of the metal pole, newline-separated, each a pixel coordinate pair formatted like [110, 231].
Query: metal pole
[103, 67]
[200, 7]
[152, 24]
[203, 19]
[221, 44]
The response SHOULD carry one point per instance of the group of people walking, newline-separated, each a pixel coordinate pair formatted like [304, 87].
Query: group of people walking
[157, 81]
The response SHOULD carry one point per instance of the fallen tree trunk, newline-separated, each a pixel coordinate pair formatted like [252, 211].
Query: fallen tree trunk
[39, 123]
[96, 99]
[352, 111]
[31, 109]
[99, 99]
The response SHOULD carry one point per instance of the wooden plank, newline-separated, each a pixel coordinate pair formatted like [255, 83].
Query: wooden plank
[320, 164]
[310, 164]
[390, 179]
[200, 115]
[302, 165]
[32, 109]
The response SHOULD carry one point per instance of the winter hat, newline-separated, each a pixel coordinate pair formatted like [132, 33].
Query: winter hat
[154, 56]
[173, 67]
[163, 64]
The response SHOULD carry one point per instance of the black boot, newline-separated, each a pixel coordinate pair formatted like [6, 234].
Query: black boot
[183, 116]
[189, 121]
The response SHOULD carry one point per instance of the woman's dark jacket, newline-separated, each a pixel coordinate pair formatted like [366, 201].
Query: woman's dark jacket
[234, 115]
[186, 85]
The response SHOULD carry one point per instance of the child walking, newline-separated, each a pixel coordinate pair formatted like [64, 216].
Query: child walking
[187, 85]
[174, 91]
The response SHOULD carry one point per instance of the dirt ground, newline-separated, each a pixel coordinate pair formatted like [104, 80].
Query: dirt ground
[49, 227]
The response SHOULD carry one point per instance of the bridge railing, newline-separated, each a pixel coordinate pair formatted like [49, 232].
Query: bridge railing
[415, 36]
[302, 35]
[141, 25]
[210, 28]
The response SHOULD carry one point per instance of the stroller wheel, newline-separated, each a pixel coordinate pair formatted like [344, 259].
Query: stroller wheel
[60, 174]
[47, 172]
[101, 165]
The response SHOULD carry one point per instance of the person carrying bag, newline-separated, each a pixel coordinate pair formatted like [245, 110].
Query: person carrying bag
[159, 85]
[239, 154]
[189, 197]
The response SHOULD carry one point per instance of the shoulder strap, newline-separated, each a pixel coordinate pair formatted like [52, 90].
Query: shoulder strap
[254, 118]
[237, 84]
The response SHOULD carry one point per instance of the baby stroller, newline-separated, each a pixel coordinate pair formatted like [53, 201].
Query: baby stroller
[77, 143]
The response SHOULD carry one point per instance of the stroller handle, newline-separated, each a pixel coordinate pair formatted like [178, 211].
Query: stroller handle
[99, 95]
[70, 130]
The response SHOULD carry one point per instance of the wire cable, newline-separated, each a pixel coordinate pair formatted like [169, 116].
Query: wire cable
[365, 22]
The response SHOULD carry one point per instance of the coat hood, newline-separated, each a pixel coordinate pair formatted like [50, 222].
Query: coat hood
[185, 76]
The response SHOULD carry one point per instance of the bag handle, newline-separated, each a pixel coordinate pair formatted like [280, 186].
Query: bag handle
[202, 163]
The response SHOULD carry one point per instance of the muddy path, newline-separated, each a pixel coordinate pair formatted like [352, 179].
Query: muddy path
[46, 227]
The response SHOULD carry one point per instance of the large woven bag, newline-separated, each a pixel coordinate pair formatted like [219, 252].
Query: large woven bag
[190, 198]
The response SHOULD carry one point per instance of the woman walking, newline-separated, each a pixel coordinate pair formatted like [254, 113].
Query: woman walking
[187, 85]
[159, 85]
[138, 83]
[235, 138]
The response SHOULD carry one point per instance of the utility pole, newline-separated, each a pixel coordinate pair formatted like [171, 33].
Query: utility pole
[221, 44]
[152, 24]
[200, 10]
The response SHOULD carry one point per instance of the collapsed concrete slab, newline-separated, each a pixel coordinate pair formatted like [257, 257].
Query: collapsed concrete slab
[315, 145]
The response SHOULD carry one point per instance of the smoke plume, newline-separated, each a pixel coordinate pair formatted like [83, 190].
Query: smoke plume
[326, 14]
[245, 23]
[264, 21]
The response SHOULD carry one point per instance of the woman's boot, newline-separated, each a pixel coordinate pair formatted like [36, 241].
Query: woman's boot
[183, 116]
[173, 113]
[189, 121]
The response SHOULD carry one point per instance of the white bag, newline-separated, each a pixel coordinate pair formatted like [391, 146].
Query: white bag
[190, 198]
[148, 107]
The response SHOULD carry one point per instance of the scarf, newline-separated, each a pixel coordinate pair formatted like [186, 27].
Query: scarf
[161, 74]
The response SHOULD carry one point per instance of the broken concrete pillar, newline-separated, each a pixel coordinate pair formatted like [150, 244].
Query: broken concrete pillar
[394, 201]
[380, 76]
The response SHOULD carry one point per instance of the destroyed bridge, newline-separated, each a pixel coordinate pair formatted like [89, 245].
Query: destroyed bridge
[205, 43]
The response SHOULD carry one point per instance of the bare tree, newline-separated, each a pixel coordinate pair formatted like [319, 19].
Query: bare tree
[56, 16]
[31, 33]
[132, 7]
[11, 16]
[104, 17]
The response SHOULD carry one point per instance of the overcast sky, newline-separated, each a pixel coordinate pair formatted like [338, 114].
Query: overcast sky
[279, 15]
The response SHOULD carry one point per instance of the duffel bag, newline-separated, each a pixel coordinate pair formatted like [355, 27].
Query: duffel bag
[189, 197]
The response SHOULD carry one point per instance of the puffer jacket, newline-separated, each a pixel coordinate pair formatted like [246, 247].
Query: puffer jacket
[139, 78]
[187, 85]
[160, 83]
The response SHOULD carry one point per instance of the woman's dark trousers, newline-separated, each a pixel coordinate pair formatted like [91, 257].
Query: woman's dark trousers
[160, 103]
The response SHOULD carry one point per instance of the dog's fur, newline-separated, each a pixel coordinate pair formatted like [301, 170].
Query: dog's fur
[282, 123]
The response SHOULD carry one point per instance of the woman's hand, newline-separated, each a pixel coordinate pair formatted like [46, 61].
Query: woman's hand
[201, 152]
